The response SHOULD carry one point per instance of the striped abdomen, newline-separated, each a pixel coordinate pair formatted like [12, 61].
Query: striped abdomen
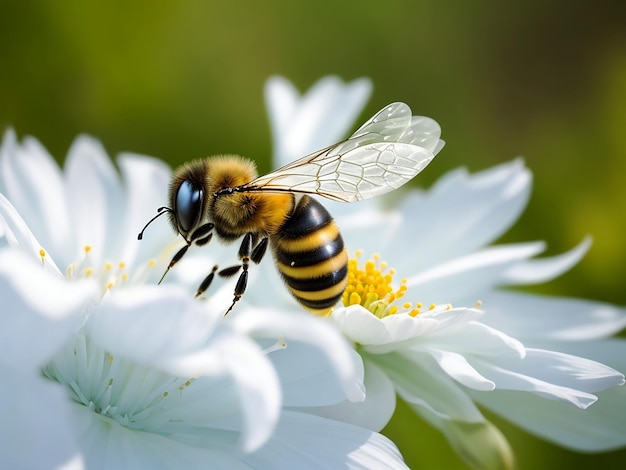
[310, 256]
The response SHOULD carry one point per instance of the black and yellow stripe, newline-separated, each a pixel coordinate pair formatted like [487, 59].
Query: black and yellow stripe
[311, 257]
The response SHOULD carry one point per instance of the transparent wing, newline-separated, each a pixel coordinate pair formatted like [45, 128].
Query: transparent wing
[383, 154]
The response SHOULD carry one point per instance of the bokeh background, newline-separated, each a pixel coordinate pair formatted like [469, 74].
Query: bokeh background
[183, 79]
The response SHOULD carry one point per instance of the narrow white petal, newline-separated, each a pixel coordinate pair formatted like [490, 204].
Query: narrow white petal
[531, 317]
[534, 271]
[475, 339]
[553, 375]
[323, 116]
[420, 381]
[458, 367]
[145, 184]
[460, 214]
[18, 234]
[34, 184]
[469, 277]
[89, 171]
[39, 311]
[281, 100]
[600, 427]
[35, 432]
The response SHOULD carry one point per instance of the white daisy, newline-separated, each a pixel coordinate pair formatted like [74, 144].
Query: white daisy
[531, 359]
[139, 375]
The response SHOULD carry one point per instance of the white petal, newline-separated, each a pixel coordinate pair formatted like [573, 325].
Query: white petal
[39, 311]
[145, 183]
[330, 357]
[322, 117]
[106, 444]
[89, 171]
[374, 412]
[18, 234]
[360, 326]
[305, 441]
[535, 271]
[35, 432]
[553, 375]
[458, 215]
[474, 339]
[420, 381]
[469, 277]
[600, 427]
[177, 336]
[34, 185]
[530, 317]
[458, 367]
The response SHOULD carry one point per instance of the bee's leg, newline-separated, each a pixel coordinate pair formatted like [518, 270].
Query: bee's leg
[245, 254]
[206, 282]
[201, 236]
[259, 250]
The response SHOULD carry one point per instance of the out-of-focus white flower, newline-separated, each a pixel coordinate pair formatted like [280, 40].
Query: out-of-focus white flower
[138, 375]
[531, 359]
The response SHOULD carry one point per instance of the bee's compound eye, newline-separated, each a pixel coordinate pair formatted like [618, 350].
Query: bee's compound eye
[188, 204]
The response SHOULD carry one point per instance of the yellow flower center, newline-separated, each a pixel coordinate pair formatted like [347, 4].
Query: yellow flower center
[372, 287]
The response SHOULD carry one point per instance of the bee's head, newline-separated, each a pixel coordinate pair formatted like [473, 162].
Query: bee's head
[187, 197]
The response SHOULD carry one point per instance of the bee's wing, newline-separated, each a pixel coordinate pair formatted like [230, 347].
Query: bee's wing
[383, 154]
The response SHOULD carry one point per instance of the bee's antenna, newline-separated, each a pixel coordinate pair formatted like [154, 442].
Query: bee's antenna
[161, 211]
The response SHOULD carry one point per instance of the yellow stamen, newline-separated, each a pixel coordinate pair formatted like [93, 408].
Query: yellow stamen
[372, 286]
[42, 254]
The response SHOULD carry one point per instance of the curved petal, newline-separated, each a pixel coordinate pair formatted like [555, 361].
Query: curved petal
[34, 327]
[145, 183]
[18, 234]
[322, 117]
[305, 441]
[107, 444]
[465, 280]
[552, 375]
[532, 317]
[34, 185]
[458, 215]
[330, 357]
[35, 431]
[178, 337]
[374, 412]
[420, 381]
[94, 197]
[600, 427]
[534, 271]
[459, 368]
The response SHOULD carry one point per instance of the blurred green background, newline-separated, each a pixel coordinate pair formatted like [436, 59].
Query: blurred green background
[177, 80]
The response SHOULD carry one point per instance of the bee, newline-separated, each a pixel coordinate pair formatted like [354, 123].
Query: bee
[223, 195]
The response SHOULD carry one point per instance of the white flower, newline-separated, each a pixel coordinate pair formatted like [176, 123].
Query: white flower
[531, 359]
[139, 375]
